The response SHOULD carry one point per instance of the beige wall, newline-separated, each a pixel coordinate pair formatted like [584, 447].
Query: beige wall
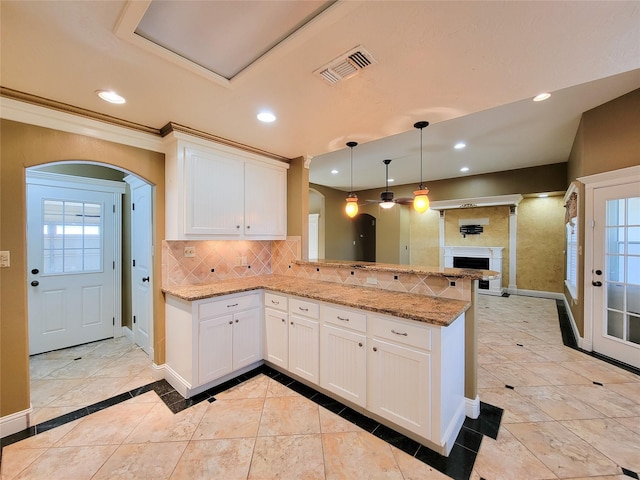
[607, 139]
[495, 233]
[26, 146]
[540, 244]
[424, 238]
[298, 202]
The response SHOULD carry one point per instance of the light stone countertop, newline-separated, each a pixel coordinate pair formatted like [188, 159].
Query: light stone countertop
[422, 308]
[473, 274]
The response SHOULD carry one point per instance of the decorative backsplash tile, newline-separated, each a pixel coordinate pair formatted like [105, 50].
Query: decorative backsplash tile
[216, 260]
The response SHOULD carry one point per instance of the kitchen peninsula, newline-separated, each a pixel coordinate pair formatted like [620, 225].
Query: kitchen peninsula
[396, 356]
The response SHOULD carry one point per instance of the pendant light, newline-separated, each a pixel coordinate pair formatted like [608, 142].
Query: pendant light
[421, 199]
[351, 208]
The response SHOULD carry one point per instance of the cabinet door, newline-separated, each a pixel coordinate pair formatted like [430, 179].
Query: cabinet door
[304, 348]
[214, 348]
[213, 194]
[277, 337]
[343, 363]
[247, 338]
[399, 385]
[265, 206]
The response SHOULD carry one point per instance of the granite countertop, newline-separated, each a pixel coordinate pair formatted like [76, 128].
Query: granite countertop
[474, 274]
[422, 308]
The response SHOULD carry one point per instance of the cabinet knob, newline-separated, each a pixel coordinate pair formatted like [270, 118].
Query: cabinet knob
[237, 321]
[230, 322]
[283, 321]
[248, 227]
[359, 344]
[237, 226]
[291, 323]
[375, 349]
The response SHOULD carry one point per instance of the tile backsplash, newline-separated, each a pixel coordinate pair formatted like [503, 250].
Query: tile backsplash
[223, 260]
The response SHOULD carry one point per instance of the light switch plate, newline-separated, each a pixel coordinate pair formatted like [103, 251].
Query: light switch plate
[5, 259]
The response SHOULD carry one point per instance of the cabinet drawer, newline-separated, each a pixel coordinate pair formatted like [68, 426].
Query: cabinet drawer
[306, 309]
[229, 305]
[271, 300]
[401, 332]
[344, 318]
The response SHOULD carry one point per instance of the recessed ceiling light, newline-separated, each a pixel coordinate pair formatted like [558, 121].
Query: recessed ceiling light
[334, 171]
[459, 145]
[266, 117]
[464, 169]
[543, 195]
[110, 96]
[540, 97]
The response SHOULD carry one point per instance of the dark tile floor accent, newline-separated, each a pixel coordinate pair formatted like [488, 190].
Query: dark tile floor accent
[569, 340]
[458, 464]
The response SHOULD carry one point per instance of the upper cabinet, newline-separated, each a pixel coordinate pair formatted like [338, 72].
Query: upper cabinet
[217, 192]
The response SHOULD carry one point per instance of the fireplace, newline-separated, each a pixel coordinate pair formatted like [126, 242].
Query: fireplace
[484, 258]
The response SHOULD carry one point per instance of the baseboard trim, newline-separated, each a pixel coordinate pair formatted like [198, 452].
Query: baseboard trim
[472, 407]
[15, 422]
[158, 371]
[537, 293]
[572, 322]
[126, 331]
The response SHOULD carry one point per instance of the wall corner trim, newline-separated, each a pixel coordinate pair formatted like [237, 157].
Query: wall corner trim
[472, 407]
[15, 422]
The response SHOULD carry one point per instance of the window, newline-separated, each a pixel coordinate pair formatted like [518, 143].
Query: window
[72, 235]
[571, 239]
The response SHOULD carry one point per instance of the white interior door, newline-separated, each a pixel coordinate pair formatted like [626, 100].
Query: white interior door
[72, 253]
[142, 257]
[615, 282]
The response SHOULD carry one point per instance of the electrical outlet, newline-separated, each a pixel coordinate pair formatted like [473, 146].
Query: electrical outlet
[189, 251]
[238, 261]
[372, 280]
[5, 259]
[244, 261]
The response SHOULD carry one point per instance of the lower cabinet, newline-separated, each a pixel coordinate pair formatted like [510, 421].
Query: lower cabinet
[209, 339]
[399, 385]
[276, 330]
[304, 340]
[343, 354]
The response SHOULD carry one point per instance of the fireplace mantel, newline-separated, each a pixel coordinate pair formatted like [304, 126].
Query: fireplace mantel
[494, 254]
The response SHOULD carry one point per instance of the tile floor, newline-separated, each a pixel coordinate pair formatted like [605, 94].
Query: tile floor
[566, 415]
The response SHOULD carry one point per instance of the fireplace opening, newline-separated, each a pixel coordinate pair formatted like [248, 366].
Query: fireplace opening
[473, 262]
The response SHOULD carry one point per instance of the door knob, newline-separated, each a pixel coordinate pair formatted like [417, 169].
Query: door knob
[145, 279]
[596, 284]
[35, 283]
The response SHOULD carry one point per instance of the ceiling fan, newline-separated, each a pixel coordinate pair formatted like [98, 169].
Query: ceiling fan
[386, 197]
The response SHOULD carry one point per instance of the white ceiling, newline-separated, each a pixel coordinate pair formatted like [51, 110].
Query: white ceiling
[469, 68]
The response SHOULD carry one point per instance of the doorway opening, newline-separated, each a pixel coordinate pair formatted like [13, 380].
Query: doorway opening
[73, 235]
[365, 242]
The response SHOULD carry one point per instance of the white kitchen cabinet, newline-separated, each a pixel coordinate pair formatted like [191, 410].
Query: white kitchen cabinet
[304, 339]
[265, 200]
[209, 341]
[343, 353]
[399, 381]
[218, 192]
[277, 337]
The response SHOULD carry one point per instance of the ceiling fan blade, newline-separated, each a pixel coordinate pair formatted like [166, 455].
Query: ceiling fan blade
[372, 201]
[404, 201]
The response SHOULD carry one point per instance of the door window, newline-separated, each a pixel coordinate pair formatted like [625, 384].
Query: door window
[72, 236]
[622, 260]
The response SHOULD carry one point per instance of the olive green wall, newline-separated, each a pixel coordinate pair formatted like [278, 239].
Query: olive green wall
[607, 139]
[26, 146]
[339, 231]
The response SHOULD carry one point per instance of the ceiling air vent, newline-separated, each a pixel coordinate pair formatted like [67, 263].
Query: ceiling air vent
[346, 65]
